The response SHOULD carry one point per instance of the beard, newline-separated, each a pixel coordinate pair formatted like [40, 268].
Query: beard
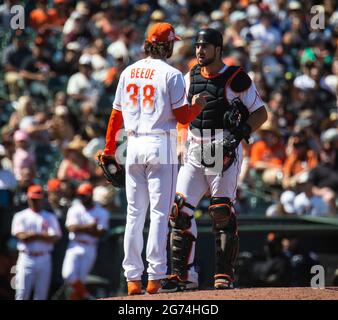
[170, 51]
[205, 62]
[169, 54]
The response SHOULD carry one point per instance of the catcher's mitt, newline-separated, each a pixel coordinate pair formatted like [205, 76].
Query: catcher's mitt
[216, 149]
[112, 170]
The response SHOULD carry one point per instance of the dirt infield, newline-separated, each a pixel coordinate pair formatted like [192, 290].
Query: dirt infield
[244, 294]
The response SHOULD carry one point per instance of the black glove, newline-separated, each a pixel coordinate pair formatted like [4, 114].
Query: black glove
[226, 147]
[112, 170]
[242, 132]
[216, 149]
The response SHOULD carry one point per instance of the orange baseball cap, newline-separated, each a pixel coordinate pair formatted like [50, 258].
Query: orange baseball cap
[162, 32]
[85, 189]
[60, 1]
[35, 192]
[53, 185]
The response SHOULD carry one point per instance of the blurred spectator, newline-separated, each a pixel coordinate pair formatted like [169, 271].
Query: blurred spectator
[75, 166]
[69, 63]
[5, 13]
[97, 140]
[38, 18]
[62, 129]
[285, 205]
[325, 175]
[7, 178]
[20, 196]
[23, 156]
[81, 85]
[301, 159]
[301, 262]
[12, 61]
[68, 192]
[265, 32]
[104, 195]
[232, 35]
[8, 185]
[122, 47]
[59, 14]
[76, 28]
[37, 71]
[268, 155]
[271, 270]
[306, 202]
[24, 112]
[54, 198]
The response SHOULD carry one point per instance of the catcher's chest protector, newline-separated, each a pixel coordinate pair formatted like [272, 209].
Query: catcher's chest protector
[217, 104]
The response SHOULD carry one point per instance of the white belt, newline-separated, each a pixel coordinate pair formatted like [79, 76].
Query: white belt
[132, 133]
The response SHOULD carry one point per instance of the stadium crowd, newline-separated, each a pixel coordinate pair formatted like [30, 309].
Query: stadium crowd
[58, 78]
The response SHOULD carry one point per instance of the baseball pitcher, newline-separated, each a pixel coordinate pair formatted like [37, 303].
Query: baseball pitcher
[150, 99]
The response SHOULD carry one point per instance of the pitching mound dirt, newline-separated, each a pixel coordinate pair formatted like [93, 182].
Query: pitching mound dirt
[244, 294]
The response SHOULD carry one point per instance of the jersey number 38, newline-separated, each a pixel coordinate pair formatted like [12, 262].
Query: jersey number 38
[143, 96]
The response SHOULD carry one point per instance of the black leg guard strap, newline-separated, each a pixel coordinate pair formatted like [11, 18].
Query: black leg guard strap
[227, 247]
[180, 245]
[179, 219]
[226, 237]
[181, 240]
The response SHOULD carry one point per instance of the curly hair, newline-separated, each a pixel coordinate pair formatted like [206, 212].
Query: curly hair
[161, 49]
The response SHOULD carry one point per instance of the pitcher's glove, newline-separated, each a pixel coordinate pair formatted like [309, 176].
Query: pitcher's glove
[112, 170]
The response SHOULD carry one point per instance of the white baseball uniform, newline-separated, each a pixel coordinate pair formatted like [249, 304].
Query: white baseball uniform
[194, 179]
[82, 249]
[33, 269]
[147, 93]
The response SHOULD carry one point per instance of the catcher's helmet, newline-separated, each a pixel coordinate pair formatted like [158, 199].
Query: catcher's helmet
[209, 35]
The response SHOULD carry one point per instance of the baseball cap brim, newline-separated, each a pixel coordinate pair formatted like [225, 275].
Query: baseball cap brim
[85, 189]
[35, 192]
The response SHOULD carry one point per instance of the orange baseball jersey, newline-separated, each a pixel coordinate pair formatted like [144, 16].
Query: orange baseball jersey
[147, 98]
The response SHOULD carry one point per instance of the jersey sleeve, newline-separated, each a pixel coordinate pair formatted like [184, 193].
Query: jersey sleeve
[187, 82]
[118, 102]
[55, 227]
[251, 98]
[72, 217]
[17, 225]
[177, 91]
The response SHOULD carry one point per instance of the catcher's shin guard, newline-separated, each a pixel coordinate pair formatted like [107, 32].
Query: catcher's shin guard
[226, 237]
[181, 240]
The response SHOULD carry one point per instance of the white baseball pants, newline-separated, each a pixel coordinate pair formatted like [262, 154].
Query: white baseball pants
[78, 262]
[32, 274]
[194, 180]
[151, 174]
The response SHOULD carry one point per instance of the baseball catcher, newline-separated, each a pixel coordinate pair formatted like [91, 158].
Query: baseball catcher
[234, 110]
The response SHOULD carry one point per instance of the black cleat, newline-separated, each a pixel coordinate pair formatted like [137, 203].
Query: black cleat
[174, 284]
